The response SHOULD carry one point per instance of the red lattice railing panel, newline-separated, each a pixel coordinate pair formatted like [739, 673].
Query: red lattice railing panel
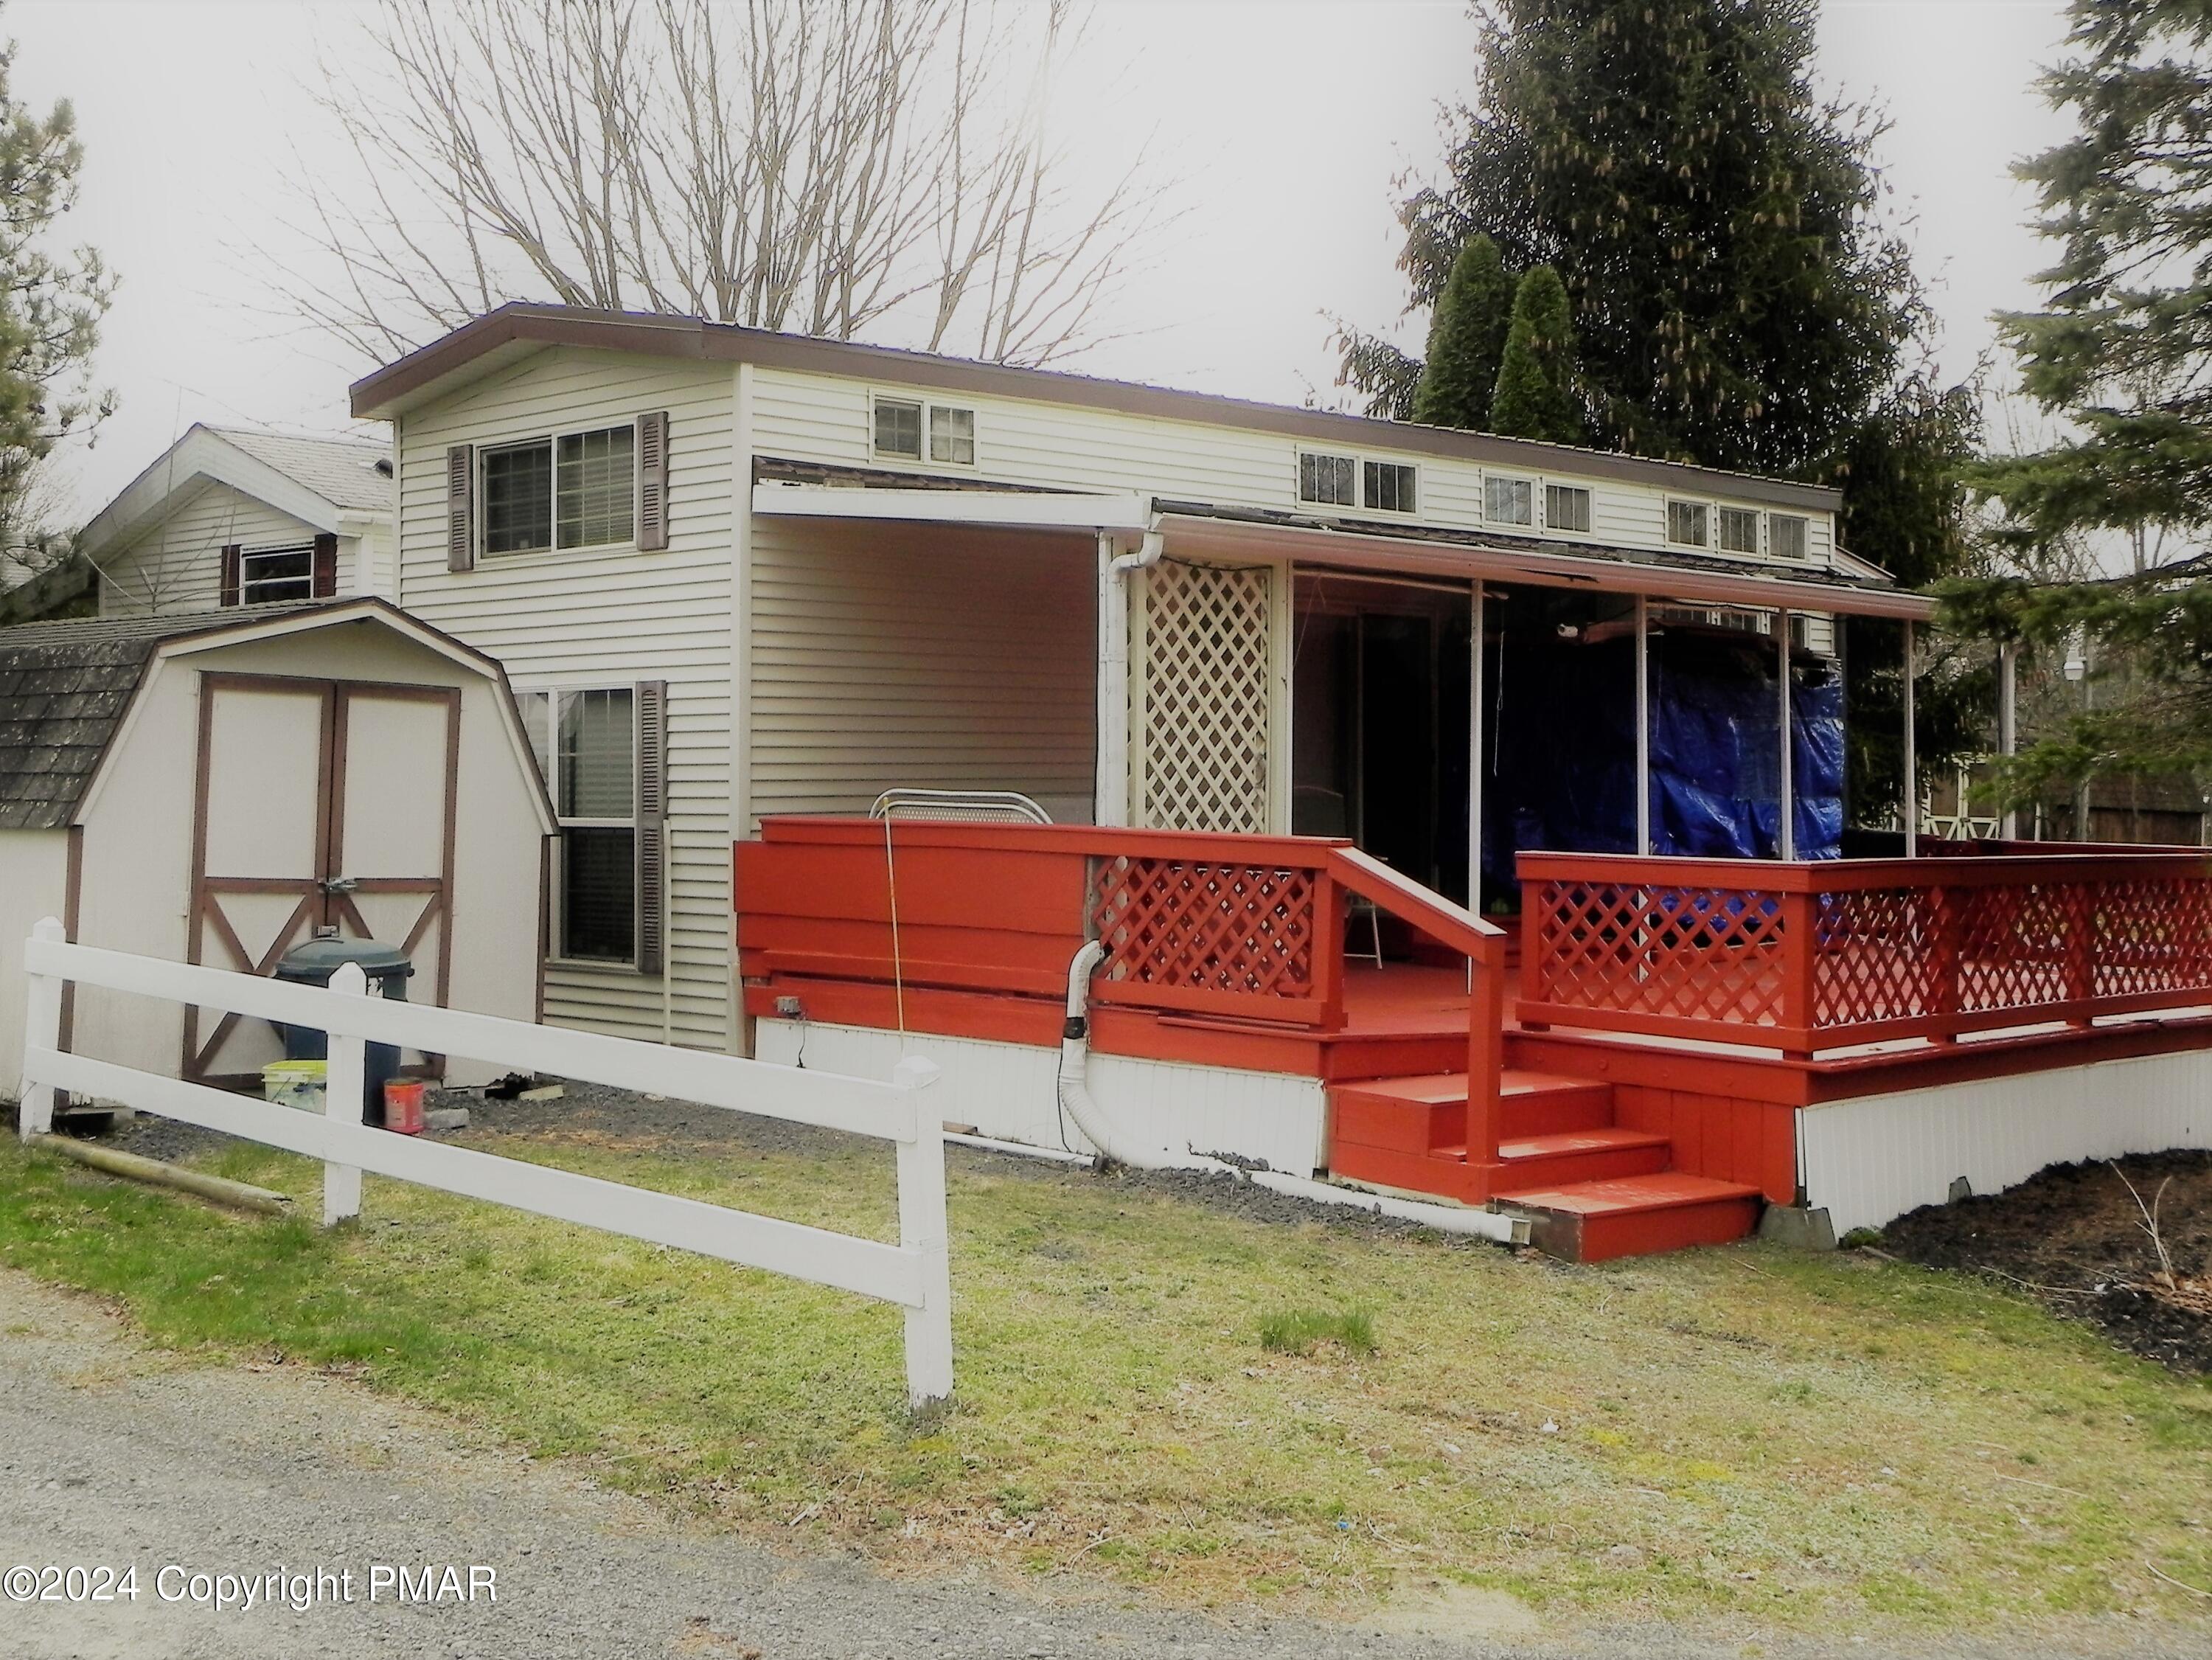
[1208, 931]
[1822, 956]
[1674, 952]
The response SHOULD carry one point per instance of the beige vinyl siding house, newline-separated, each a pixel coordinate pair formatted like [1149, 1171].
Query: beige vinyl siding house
[812, 662]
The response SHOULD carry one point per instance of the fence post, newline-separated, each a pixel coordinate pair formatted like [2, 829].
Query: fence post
[345, 1096]
[42, 1029]
[1800, 948]
[923, 1229]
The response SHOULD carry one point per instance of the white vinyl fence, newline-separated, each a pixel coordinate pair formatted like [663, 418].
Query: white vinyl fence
[914, 1273]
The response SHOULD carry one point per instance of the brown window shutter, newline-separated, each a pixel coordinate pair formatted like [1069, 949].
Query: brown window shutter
[461, 507]
[228, 595]
[652, 481]
[652, 834]
[327, 566]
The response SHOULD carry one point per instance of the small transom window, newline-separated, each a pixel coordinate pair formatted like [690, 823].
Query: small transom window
[1687, 524]
[1566, 506]
[270, 576]
[1389, 487]
[898, 428]
[1739, 528]
[1328, 481]
[1509, 501]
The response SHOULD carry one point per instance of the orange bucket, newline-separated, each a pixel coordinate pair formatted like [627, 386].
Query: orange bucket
[403, 1105]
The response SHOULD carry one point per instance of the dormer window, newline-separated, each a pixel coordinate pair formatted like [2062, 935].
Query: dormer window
[1739, 528]
[1509, 501]
[1567, 508]
[1327, 481]
[1389, 487]
[912, 429]
[1689, 524]
[1787, 536]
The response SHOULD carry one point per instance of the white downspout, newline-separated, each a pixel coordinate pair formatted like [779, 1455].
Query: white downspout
[1111, 787]
[1076, 1098]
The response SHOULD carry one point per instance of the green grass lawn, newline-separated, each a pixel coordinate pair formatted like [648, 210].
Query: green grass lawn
[1795, 1439]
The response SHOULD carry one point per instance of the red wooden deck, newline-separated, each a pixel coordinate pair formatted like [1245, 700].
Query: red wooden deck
[1640, 1093]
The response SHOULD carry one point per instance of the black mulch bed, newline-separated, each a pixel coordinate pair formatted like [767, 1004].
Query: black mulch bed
[2073, 1236]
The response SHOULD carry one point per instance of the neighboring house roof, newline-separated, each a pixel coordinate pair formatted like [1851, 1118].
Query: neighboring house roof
[516, 329]
[66, 687]
[315, 480]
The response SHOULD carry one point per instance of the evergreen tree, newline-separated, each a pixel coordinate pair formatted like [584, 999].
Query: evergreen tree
[2122, 352]
[1466, 341]
[1536, 395]
[50, 304]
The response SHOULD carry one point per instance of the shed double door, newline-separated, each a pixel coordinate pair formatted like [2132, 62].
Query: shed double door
[319, 805]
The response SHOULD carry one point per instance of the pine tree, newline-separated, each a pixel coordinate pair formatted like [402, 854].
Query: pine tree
[1466, 341]
[1535, 394]
[50, 305]
[2122, 353]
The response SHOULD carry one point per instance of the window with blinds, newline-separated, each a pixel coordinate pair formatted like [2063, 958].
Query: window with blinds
[602, 752]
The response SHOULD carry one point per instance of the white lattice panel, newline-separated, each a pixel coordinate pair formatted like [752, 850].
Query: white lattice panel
[1205, 693]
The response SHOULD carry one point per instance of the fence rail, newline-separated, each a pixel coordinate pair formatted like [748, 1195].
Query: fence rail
[1809, 957]
[914, 1273]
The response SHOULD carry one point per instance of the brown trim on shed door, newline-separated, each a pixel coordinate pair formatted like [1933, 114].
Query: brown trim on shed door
[324, 580]
[227, 589]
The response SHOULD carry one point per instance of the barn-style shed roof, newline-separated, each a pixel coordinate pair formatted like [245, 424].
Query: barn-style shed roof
[65, 688]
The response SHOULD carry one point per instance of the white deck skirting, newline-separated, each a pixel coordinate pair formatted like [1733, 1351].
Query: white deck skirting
[1010, 1092]
[1870, 1160]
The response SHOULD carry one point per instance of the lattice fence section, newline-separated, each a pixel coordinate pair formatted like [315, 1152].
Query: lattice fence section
[1206, 689]
[1877, 955]
[1685, 953]
[1237, 928]
[2153, 936]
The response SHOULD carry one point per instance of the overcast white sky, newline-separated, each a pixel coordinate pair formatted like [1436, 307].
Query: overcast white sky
[193, 112]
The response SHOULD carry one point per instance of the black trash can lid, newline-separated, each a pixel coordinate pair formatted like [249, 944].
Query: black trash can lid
[315, 962]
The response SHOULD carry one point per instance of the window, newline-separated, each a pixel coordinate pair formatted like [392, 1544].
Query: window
[1739, 528]
[588, 499]
[1685, 524]
[585, 742]
[1786, 536]
[267, 575]
[901, 423]
[1327, 480]
[1566, 506]
[1508, 500]
[952, 435]
[1389, 487]
[595, 494]
[898, 428]
[517, 493]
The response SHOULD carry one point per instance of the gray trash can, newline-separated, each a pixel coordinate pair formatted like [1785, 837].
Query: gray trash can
[313, 964]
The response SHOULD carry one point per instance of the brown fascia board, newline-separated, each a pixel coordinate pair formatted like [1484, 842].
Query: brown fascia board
[423, 373]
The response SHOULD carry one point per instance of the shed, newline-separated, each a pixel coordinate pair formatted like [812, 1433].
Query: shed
[215, 789]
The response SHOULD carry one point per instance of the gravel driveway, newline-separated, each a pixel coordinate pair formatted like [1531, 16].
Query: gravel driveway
[113, 1454]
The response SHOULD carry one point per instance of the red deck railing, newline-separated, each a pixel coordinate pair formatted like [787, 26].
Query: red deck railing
[1809, 957]
[1243, 929]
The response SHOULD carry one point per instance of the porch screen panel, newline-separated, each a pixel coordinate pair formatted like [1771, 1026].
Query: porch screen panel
[1204, 698]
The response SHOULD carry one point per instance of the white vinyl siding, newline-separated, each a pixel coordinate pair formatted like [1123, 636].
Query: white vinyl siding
[831, 420]
[176, 566]
[591, 617]
[889, 655]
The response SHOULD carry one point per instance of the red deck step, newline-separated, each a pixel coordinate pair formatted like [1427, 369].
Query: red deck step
[1634, 1215]
[1591, 1188]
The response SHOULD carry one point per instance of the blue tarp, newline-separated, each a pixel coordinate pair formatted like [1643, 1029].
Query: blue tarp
[1565, 772]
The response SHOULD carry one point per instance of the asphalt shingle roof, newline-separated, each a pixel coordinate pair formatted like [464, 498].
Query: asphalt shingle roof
[63, 690]
[342, 471]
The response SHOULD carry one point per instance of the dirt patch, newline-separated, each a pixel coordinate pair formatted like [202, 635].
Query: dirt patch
[2073, 1235]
